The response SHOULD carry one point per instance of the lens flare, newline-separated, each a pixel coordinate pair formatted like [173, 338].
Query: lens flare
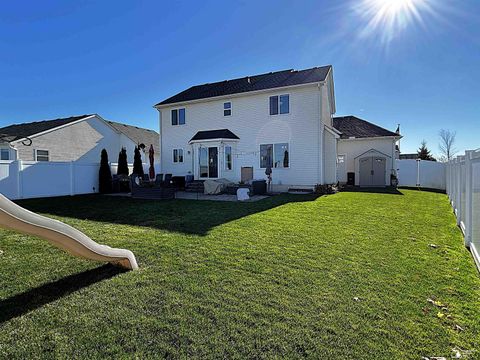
[389, 18]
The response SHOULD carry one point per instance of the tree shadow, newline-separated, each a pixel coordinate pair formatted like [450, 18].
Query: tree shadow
[27, 301]
[375, 190]
[184, 216]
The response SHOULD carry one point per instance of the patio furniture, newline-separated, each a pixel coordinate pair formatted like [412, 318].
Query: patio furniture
[259, 187]
[243, 194]
[168, 180]
[159, 179]
[145, 177]
[147, 190]
[178, 182]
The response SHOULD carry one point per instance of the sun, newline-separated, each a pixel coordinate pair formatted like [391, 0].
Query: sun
[389, 18]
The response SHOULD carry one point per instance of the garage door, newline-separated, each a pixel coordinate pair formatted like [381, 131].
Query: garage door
[372, 171]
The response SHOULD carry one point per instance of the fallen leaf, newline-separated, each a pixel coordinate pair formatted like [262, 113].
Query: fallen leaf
[433, 246]
[458, 327]
[356, 299]
[440, 315]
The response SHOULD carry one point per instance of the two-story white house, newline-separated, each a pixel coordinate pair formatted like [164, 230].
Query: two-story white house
[236, 129]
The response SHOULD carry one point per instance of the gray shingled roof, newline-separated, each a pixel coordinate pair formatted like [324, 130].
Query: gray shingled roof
[138, 135]
[251, 83]
[351, 126]
[20, 131]
[214, 134]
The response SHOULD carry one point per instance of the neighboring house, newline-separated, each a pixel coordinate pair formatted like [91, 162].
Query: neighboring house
[76, 138]
[233, 128]
[366, 152]
[413, 156]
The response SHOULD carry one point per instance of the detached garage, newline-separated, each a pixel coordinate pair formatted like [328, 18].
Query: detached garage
[366, 152]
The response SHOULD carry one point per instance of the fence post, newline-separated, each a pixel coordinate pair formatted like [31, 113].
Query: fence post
[418, 172]
[19, 179]
[72, 179]
[468, 197]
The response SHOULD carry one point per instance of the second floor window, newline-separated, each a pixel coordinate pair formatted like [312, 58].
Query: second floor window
[227, 109]
[41, 155]
[279, 104]
[178, 155]
[178, 116]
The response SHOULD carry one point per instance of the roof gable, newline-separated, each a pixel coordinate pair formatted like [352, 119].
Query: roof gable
[20, 131]
[270, 80]
[351, 126]
[138, 135]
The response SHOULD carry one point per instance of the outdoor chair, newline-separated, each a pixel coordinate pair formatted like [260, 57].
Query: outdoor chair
[168, 180]
[159, 179]
[146, 177]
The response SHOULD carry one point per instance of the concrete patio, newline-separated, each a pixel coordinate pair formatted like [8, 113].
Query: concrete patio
[220, 197]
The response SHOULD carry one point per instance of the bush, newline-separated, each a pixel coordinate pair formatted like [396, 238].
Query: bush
[326, 189]
[137, 163]
[104, 174]
[122, 162]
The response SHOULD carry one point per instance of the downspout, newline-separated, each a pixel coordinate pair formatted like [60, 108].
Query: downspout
[321, 149]
[160, 165]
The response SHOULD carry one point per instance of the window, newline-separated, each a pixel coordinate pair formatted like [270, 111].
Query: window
[340, 159]
[274, 155]
[178, 116]
[41, 155]
[281, 155]
[266, 155]
[4, 154]
[178, 155]
[227, 109]
[279, 104]
[228, 158]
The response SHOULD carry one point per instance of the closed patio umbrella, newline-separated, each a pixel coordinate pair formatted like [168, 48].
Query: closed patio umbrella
[151, 170]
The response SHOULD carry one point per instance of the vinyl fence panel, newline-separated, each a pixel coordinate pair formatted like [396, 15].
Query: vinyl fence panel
[463, 189]
[421, 173]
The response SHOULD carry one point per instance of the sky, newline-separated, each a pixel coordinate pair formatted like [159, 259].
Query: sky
[410, 62]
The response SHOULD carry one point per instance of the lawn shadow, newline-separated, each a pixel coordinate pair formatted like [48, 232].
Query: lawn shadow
[376, 190]
[27, 301]
[185, 216]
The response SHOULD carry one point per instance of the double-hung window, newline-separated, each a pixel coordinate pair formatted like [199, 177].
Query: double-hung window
[279, 104]
[227, 108]
[178, 155]
[178, 116]
[228, 157]
[274, 155]
[41, 155]
[4, 154]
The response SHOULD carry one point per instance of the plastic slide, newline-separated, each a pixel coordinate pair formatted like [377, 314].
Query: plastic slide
[63, 236]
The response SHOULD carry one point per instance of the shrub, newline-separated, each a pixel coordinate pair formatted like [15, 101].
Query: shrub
[137, 162]
[326, 189]
[104, 174]
[122, 162]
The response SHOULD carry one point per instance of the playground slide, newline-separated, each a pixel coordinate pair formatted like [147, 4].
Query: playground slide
[63, 236]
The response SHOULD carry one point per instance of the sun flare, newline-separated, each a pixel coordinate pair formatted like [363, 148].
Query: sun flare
[388, 18]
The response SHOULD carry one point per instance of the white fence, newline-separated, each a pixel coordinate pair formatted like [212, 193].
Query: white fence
[463, 189]
[422, 173]
[30, 179]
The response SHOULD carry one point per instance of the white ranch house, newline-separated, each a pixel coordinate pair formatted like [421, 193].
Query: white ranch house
[235, 129]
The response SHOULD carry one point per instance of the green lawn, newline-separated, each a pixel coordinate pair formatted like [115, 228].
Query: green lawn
[275, 278]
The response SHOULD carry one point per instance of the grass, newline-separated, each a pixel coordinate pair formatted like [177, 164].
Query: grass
[275, 278]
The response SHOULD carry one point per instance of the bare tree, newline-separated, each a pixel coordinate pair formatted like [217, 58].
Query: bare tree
[447, 141]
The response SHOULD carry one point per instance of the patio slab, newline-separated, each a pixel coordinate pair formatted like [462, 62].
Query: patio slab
[221, 197]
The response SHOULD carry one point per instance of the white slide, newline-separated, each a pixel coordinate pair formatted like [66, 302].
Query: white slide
[63, 236]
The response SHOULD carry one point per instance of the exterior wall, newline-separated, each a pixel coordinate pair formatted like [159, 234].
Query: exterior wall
[253, 124]
[80, 142]
[352, 148]
[330, 158]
